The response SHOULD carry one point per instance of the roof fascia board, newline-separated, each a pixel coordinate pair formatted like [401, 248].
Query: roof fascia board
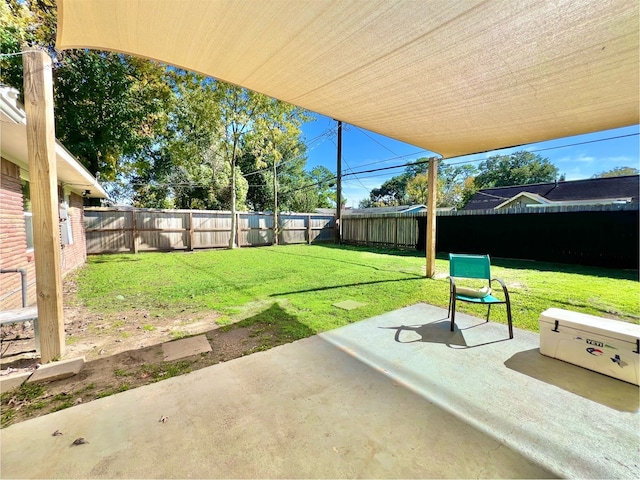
[535, 198]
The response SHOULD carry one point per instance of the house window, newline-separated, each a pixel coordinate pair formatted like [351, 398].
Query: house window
[28, 216]
[28, 227]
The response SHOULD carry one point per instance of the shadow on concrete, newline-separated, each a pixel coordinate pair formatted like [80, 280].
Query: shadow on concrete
[437, 331]
[593, 386]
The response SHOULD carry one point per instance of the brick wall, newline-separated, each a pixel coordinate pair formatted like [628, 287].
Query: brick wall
[13, 239]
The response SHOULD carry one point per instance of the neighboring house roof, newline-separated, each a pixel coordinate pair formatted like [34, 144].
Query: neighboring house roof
[532, 196]
[13, 143]
[325, 211]
[578, 192]
[385, 210]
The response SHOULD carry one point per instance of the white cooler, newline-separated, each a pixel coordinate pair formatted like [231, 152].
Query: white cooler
[599, 344]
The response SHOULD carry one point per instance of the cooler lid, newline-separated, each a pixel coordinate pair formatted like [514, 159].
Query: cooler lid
[628, 332]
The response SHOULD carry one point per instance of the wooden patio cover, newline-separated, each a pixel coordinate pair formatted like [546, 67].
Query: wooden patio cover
[453, 77]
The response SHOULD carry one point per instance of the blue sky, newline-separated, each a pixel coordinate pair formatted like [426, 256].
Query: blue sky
[364, 150]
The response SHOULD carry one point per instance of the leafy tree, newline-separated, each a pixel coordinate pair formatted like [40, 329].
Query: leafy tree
[519, 168]
[311, 190]
[323, 180]
[366, 203]
[265, 127]
[418, 188]
[162, 136]
[391, 192]
[107, 106]
[14, 22]
[274, 140]
[412, 186]
[617, 172]
[469, 189]
[196, 170]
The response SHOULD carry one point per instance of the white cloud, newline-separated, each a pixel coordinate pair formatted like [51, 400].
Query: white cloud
[580, 158]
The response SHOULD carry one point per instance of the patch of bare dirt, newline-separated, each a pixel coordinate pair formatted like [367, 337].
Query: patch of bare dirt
[122, 351]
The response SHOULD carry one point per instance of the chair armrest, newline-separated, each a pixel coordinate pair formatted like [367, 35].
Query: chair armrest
[452, 285]
[504, 288]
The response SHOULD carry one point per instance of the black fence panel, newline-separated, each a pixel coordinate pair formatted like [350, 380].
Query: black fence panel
[598, 238]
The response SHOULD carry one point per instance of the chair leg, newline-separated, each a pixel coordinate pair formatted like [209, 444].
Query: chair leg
[509, 319]
[488, 312]
[449, 309]
[453, 312]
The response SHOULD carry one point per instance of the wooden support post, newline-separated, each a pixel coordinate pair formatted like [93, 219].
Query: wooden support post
[339, 186]
[308, 229]
[431, 217]
[41, 144]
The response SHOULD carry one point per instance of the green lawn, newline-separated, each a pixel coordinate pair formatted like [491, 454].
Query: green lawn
[304, 281]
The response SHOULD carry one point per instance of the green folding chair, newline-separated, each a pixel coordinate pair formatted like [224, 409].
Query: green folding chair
[474, 267]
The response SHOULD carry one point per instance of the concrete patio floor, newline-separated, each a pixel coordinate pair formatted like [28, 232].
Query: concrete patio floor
[394, 396]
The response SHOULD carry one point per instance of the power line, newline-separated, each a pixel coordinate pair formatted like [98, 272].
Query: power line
[419, 162]
[320, 139]
[379, 143]
[541, 149]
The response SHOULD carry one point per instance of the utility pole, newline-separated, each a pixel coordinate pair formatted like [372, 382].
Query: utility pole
[339, 186]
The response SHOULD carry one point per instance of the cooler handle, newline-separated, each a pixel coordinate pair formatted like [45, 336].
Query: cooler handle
[555, 328]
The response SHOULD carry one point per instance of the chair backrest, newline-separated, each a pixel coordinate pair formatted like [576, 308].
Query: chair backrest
[469, 266]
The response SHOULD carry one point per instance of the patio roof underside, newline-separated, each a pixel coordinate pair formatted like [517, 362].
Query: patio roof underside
[451, 77]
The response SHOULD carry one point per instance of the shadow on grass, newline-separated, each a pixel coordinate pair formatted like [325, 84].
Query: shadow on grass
[513, 264]
[282, 326]
[588, 307]
[510, 263]
[118, 258]
[348, 248]
[345, 285]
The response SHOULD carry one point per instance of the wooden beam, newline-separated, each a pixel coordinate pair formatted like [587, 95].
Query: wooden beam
[339, 185]
[431, 217]
[41, 144]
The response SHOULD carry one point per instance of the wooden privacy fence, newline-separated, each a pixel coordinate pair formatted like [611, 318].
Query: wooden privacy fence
[381, 230]
[602, 235]
[112, 230]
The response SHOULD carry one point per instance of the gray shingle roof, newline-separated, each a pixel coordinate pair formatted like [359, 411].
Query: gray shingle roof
[589, 189]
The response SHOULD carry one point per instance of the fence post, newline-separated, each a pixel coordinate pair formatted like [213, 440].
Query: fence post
[308, 229]
[190, 231]
[238, 229]
[134, 232]
[395, 233]
[366, 231]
